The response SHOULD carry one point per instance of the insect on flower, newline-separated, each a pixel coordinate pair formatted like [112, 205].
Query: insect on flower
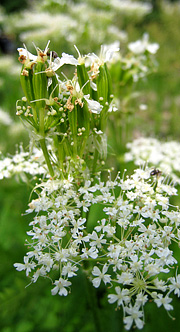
[54, 54]
[156, 172]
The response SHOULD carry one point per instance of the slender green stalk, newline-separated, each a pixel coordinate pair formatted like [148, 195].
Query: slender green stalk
[95, 161]
[46, 156]
[82, 147]
[41, 121]
[43, 142]
[60, 151]
[92, 298]
[34, 114]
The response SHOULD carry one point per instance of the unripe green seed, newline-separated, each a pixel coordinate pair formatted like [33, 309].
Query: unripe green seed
[83, 78]
[40, 84]
[26, 83]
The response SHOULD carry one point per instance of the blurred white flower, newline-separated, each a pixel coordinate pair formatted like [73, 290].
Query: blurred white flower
[140, 46]
[5, 118]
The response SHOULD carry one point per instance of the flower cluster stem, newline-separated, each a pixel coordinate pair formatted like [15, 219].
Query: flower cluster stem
[46, 156]
[92, 298]
[95, 161]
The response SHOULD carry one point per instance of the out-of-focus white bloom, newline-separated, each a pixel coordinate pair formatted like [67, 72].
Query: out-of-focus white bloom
[143, 107]
[108, 51]
[106, 54]
[119, 34]
[9, 65]
[130, 7]
[5, 118]
[163, 155]
[23, 162]
[140, 46]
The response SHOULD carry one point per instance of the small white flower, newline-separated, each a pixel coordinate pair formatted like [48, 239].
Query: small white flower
[100, 276]
[97, 241]
[94, 106]
[126, 278]
[68, 59]
[60, 287]
[69, 270]
[28, 266]
[135, 315]
[92, 252]
[141, 299]
[160, 300]
[175, 285]
[121, 296]
[38, 273]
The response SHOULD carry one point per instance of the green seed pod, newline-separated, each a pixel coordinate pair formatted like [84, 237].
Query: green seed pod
[72, 116]
[53, 86]
[40, 84]
[83, 78]
[102, 84]
[109, 80]
[26, 83]
[83, 117]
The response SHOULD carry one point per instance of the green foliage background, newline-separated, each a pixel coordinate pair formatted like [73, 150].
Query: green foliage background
[32, 308]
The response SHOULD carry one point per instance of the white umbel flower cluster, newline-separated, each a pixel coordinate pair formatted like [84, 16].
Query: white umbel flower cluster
[164, 155]
[128, 248]
[23, 163]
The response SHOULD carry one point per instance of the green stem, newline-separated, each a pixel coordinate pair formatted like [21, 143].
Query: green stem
[82, 147]
[34, 115]
[43, 142]
[95, 161]
[46, 156]
[41, 121]
[92, 298]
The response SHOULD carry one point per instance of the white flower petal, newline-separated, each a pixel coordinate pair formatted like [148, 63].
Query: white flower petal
[28, 55]
[93, 105]
[68, 60]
